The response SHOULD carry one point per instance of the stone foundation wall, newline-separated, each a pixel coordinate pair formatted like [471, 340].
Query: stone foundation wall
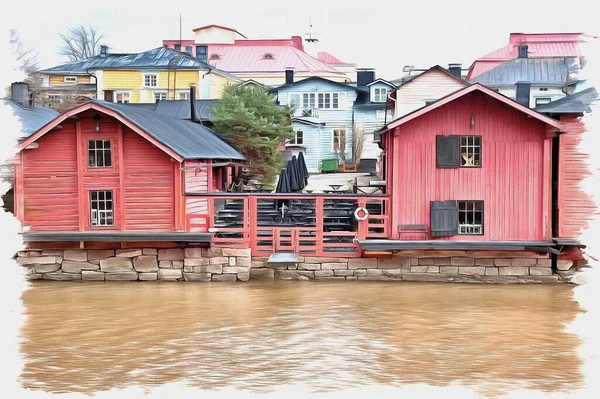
[210, 264]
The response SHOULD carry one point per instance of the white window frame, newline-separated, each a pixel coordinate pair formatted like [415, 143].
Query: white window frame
[96, 214]
[294, 141]
[311, 99]
[377, 93]
[470, 146]
[144, 75]
[116, 93]
[185, 93]
[155, 93]
[535, 100]
[379, 114]
[70, 79]
[471, 229]
[333, 135]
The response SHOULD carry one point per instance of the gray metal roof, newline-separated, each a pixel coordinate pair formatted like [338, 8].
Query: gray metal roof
[546, 71]
[577, 103]
[187, 139]
[158, 58]
[179, 108]
[32, 119]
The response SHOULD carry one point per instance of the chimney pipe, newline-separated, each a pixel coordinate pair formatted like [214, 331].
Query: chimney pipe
[289, 76]
[19, 92]
[523, 92]
[364, 77]
[455, 70]
[103, 50]
[193, 103]
[523, 50]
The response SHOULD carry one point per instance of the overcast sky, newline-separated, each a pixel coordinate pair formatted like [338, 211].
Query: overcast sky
[385, 35]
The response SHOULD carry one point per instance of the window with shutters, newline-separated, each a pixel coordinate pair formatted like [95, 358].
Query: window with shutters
[458, 151]
[470, 217]
[470, 151]
[444, 218]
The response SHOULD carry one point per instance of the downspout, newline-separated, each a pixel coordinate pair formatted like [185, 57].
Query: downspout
[87, 71]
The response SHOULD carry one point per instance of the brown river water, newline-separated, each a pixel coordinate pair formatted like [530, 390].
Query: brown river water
[90, 337]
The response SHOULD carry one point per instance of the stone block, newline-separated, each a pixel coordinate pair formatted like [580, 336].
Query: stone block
[294, 274]
[166, 264]
[362, 263]
[419, 269]
[449, 269]
[544, 262]
[177, 264]
[236, 252]
[442, 261]
[491, 271]
[170, 274]
[342, 278]
[262, 273]
[309, 266]
[195, 262]
[232, 261]
[257, 263]
[77, 267]
[92, 275]
[313, 259]
[395, 272]
[227, 278]
[433, 269]
[374, 272]
[34, 276]
[79, 255]
[39, 260]
[462, 261]
[523, 262]
[197, 276]
[395, 262]
[414, 261]
[332, 266]
[170, 254]
[513, 271]
[540, 271]
[323, 273]
[99, 254]
[150, 251]
[235, 269]
[116, 265]
[244, 261]
[502, 262]
[219, 260]
[61, 276]
[564, 264]
[216, 269]
[194, 253]
[128, 252]
[343, 272]
[94, 262]
[24, 254]
[46, 268]
[484, 262]
[148, 276]
[121, 276]
[471, 270]
[426, 261]
[51, 252]
[360, 272]
[374, 278]
[145, 263]
[213, 252]
[243, 276]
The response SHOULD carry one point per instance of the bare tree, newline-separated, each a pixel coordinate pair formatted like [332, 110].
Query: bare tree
[27, 59]
[80, 42]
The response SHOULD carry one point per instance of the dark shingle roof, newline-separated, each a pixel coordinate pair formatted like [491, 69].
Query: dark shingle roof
[187, 139]
[548, 71]
[179, 109]
[577, 103]
[32, 119]
[160, 57]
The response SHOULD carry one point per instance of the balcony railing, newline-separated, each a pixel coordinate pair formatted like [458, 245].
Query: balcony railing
[307, 112]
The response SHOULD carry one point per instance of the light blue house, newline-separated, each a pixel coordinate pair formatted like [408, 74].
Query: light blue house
[327, 113]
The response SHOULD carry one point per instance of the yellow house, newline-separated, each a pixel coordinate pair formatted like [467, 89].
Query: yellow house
[157, 74]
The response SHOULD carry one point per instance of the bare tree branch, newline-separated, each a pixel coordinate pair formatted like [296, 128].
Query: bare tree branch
[26, 58]
[80, 42]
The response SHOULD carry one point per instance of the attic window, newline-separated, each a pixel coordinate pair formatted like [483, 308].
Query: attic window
[268, 56]
[215, 57]
[543, 89]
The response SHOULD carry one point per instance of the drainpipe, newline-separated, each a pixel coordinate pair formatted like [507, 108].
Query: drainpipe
[87, 71]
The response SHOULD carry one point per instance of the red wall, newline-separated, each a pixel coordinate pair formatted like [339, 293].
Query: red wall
[575, 206]
[511, 182]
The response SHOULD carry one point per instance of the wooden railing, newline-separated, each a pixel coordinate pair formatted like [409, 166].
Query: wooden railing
[307, 224]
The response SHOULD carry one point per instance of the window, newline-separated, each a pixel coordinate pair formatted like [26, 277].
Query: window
[70, 79]
[380, 94]
[159, 95]
[101, 208]
[295, 100]
[184, 95]
[268, 56]
[298, 139]
[55, 98]
[429, 102]
[215, 57]
[543, 89]
[123, 98]
[150, 80]
[338, 138]
[470, 151]
[99, 154]
[319, 100]
[470, 217]
[458, 151]
[188, 50]
[542, 100]
[308, 100]
[202, 53]
[177, 47]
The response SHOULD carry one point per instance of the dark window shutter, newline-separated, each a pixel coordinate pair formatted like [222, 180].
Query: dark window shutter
[444, 218]
[108, 96]
[447, 151]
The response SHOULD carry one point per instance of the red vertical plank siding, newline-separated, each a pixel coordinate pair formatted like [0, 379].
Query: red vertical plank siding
[575, 206]
[511, 182]
[196, 181]
[148, 199]
[121, 208]
[49, 188]
[80, 165]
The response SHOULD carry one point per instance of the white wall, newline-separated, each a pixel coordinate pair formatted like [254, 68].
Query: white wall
[214, 36]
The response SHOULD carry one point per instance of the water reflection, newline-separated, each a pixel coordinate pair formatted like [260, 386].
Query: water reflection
[93, 337]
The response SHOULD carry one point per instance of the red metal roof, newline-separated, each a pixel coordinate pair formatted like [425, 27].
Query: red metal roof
[327, 58]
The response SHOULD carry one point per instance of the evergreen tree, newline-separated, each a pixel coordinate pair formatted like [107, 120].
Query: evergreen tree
[255, 126]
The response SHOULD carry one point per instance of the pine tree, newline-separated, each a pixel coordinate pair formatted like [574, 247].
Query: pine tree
[255, 126]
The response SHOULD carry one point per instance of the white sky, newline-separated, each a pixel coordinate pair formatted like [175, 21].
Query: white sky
[385, 35]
